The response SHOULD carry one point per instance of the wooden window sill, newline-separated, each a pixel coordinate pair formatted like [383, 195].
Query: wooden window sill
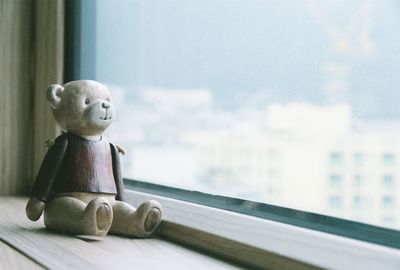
[263, 243]
[251, 241]
[26, 244]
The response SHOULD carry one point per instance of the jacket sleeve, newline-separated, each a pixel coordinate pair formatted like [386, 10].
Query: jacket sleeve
[119, 183]
[44, 182]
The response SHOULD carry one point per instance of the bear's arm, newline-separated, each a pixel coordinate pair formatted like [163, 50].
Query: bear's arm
[49, 169]
[119, 183]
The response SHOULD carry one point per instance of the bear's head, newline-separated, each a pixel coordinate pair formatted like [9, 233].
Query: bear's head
[83, 107]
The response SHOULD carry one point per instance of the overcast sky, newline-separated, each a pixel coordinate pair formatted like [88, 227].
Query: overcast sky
[263, 51]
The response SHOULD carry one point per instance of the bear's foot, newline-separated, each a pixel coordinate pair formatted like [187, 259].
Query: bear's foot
[98, 217]
[152, 220]
[70, 215]
[146, 219]
[141, 222]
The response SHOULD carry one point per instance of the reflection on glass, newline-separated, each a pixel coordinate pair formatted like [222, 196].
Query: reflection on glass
[273, 101]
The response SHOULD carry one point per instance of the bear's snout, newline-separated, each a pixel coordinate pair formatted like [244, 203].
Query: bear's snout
[105, 105]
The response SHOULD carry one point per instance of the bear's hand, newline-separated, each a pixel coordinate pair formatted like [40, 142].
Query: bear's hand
[34, 208]
[121, 150]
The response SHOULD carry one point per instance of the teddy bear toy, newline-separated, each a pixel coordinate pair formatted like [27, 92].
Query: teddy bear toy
[79, 186]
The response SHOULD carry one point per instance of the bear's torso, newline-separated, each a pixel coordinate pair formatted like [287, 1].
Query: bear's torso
[87, 167]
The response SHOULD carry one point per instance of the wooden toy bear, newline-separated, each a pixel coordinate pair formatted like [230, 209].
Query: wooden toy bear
[79, 185]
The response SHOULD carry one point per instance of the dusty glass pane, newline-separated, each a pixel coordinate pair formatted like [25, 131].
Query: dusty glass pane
[292, 103]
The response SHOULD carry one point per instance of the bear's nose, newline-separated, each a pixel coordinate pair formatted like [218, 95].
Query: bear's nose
[105, 105]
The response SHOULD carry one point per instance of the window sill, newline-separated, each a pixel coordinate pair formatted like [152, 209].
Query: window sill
[264, 243]
[28, 245]
[239, 238]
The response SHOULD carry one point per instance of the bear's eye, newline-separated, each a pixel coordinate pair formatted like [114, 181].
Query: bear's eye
[108, 99]
[87, 101]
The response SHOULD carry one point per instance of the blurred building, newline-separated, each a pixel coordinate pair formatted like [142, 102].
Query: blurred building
[314, 158]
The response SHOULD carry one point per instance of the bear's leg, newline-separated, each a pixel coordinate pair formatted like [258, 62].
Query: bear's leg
[71, 215]
[141, 222]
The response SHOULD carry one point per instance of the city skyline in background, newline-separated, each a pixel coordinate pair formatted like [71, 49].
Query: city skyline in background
[291, 103]
[296, 155]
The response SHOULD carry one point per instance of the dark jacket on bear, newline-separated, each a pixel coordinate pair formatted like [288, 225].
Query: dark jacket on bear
[74, 164]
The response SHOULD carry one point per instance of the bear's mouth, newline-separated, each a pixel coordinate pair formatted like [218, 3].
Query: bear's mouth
[106, 117]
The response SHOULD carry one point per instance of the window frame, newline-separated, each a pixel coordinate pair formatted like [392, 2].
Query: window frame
[218, 225]
[308, 220]
[286, 238]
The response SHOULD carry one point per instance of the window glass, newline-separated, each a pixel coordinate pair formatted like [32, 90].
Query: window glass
[336, 158]
[388, 181]
[358, 201]
[358, 181]
[335, 202]
[293, 103]
[389, 159]
[388, 201]
[358, 159]
[335, 180]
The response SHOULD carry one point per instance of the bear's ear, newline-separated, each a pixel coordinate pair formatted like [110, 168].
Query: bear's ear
[54, 95]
